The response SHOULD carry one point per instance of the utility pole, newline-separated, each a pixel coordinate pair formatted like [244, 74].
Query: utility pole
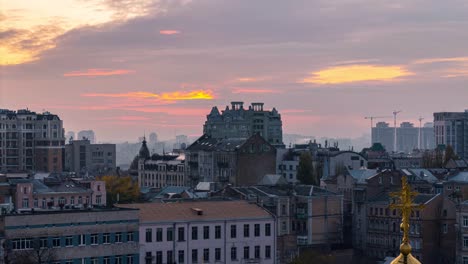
[395, 113]
[419, 137]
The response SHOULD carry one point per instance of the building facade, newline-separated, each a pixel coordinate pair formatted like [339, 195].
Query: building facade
[160, 171]
[451, 128]
[71, 237]
[206, 232]
[30, 141]
[83, 157]
[237, 122]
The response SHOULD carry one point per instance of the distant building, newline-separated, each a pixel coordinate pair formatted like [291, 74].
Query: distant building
[70, 135]
[240, 162]
[87, 134]
[407, 136]
[237, 122]
[206, 232]
[451, 128]
[30, 141]
[83, 157]
[160, 171]
[71, 236]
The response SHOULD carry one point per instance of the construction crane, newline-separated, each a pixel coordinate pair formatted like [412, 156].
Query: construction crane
[374, 117]
[395, 113]
[419, 138]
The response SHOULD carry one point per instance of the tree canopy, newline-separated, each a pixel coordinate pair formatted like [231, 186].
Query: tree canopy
[121, 189]
[306, 173]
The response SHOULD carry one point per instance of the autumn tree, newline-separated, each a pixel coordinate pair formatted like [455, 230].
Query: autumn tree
[120, 189]
[449, 154]
[306, 173]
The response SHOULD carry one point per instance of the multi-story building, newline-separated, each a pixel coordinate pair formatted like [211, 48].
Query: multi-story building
[30, 141]
[206, 232]
[35, 194]
[83, 157]
[160, 171]
[451, 128]
[240, 162]
[71, 236]
[409, 137]
[87, 134]
[237, 122]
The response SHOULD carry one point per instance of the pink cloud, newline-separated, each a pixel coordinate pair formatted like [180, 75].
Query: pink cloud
[97, 72]
[169, 32]
[253, 91]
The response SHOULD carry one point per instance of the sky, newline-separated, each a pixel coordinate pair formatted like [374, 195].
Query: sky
[129, 67]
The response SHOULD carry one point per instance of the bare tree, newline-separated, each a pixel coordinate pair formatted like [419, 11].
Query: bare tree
[37, 254]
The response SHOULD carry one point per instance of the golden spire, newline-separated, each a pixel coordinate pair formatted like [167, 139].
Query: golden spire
[405, 206]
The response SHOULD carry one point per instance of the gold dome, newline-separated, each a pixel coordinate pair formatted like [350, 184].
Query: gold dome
[409, 260]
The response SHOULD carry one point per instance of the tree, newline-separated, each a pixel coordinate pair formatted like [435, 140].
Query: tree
[37, 254]
[311, 256]
[306, 173]
[449, 154]
[120, 189]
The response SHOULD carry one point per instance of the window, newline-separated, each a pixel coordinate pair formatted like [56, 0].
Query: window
[194, 232]
[68, 241]
[149, 235]
[267, 252]
[180, 233]
[217, 232]
[465, 221]
[25, 203]
[246, 230]
[159, 234]
[130, 237]
[444, 228]
[94, 239]
[36, 203]
[284, 226]
[169, 257]
[43, 242]
[465, 241]
[257, 252]
[181, 256]
[94, 260]
[106, 260]
[233, 231]
[465, 260]
[267, 229]
[206, 232]
[106, 238]
[233, 253]
[118, 260]
[159, 257]
[217, 254]
[56, 242]
[169, 234]
[148, 258]
[98, 199]
[246, 252]
[118, 237]
[257, 230]
[130, 259]
[194, 256]
[206, 255]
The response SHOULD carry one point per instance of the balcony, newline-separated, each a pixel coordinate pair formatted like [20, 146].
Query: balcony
[301, 213]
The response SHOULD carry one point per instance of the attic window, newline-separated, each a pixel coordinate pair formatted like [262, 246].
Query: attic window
[197, 211]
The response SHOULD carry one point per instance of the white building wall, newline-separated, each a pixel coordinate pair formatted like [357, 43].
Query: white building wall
[224, 243]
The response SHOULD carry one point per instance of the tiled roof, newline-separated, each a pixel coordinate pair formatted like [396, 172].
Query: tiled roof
[460, 177]
[361, 175]
[211, 210]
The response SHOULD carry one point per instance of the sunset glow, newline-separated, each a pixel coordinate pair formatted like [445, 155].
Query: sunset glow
[97, 72]
[356, 73]
[167, 96]
[169, 32]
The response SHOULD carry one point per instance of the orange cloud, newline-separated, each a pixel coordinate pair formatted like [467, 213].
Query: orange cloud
[436, 60]
[356, 73]
[171, 96]
[253, 91]
[97, 72]
[169, 32]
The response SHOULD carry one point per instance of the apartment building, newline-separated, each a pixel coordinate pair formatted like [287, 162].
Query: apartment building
[83, 157]
[206, 232]
[160, 171]
[30, 141]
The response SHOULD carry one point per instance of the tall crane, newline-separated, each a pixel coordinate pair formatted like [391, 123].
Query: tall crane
[419, 137]
[395, 113]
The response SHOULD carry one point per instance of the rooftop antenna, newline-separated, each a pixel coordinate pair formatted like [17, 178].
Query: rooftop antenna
[395, 113]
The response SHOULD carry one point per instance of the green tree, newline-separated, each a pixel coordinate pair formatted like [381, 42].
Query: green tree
[121, 189]
[306, 172]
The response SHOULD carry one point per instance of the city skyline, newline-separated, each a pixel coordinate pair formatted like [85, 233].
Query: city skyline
[126, 68]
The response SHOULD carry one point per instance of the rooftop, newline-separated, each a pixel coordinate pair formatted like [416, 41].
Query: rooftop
[188, 211]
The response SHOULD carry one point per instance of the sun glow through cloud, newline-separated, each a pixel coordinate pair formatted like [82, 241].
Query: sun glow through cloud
[356, 73]
[169, 32]
[97, 72]
[168, 96]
